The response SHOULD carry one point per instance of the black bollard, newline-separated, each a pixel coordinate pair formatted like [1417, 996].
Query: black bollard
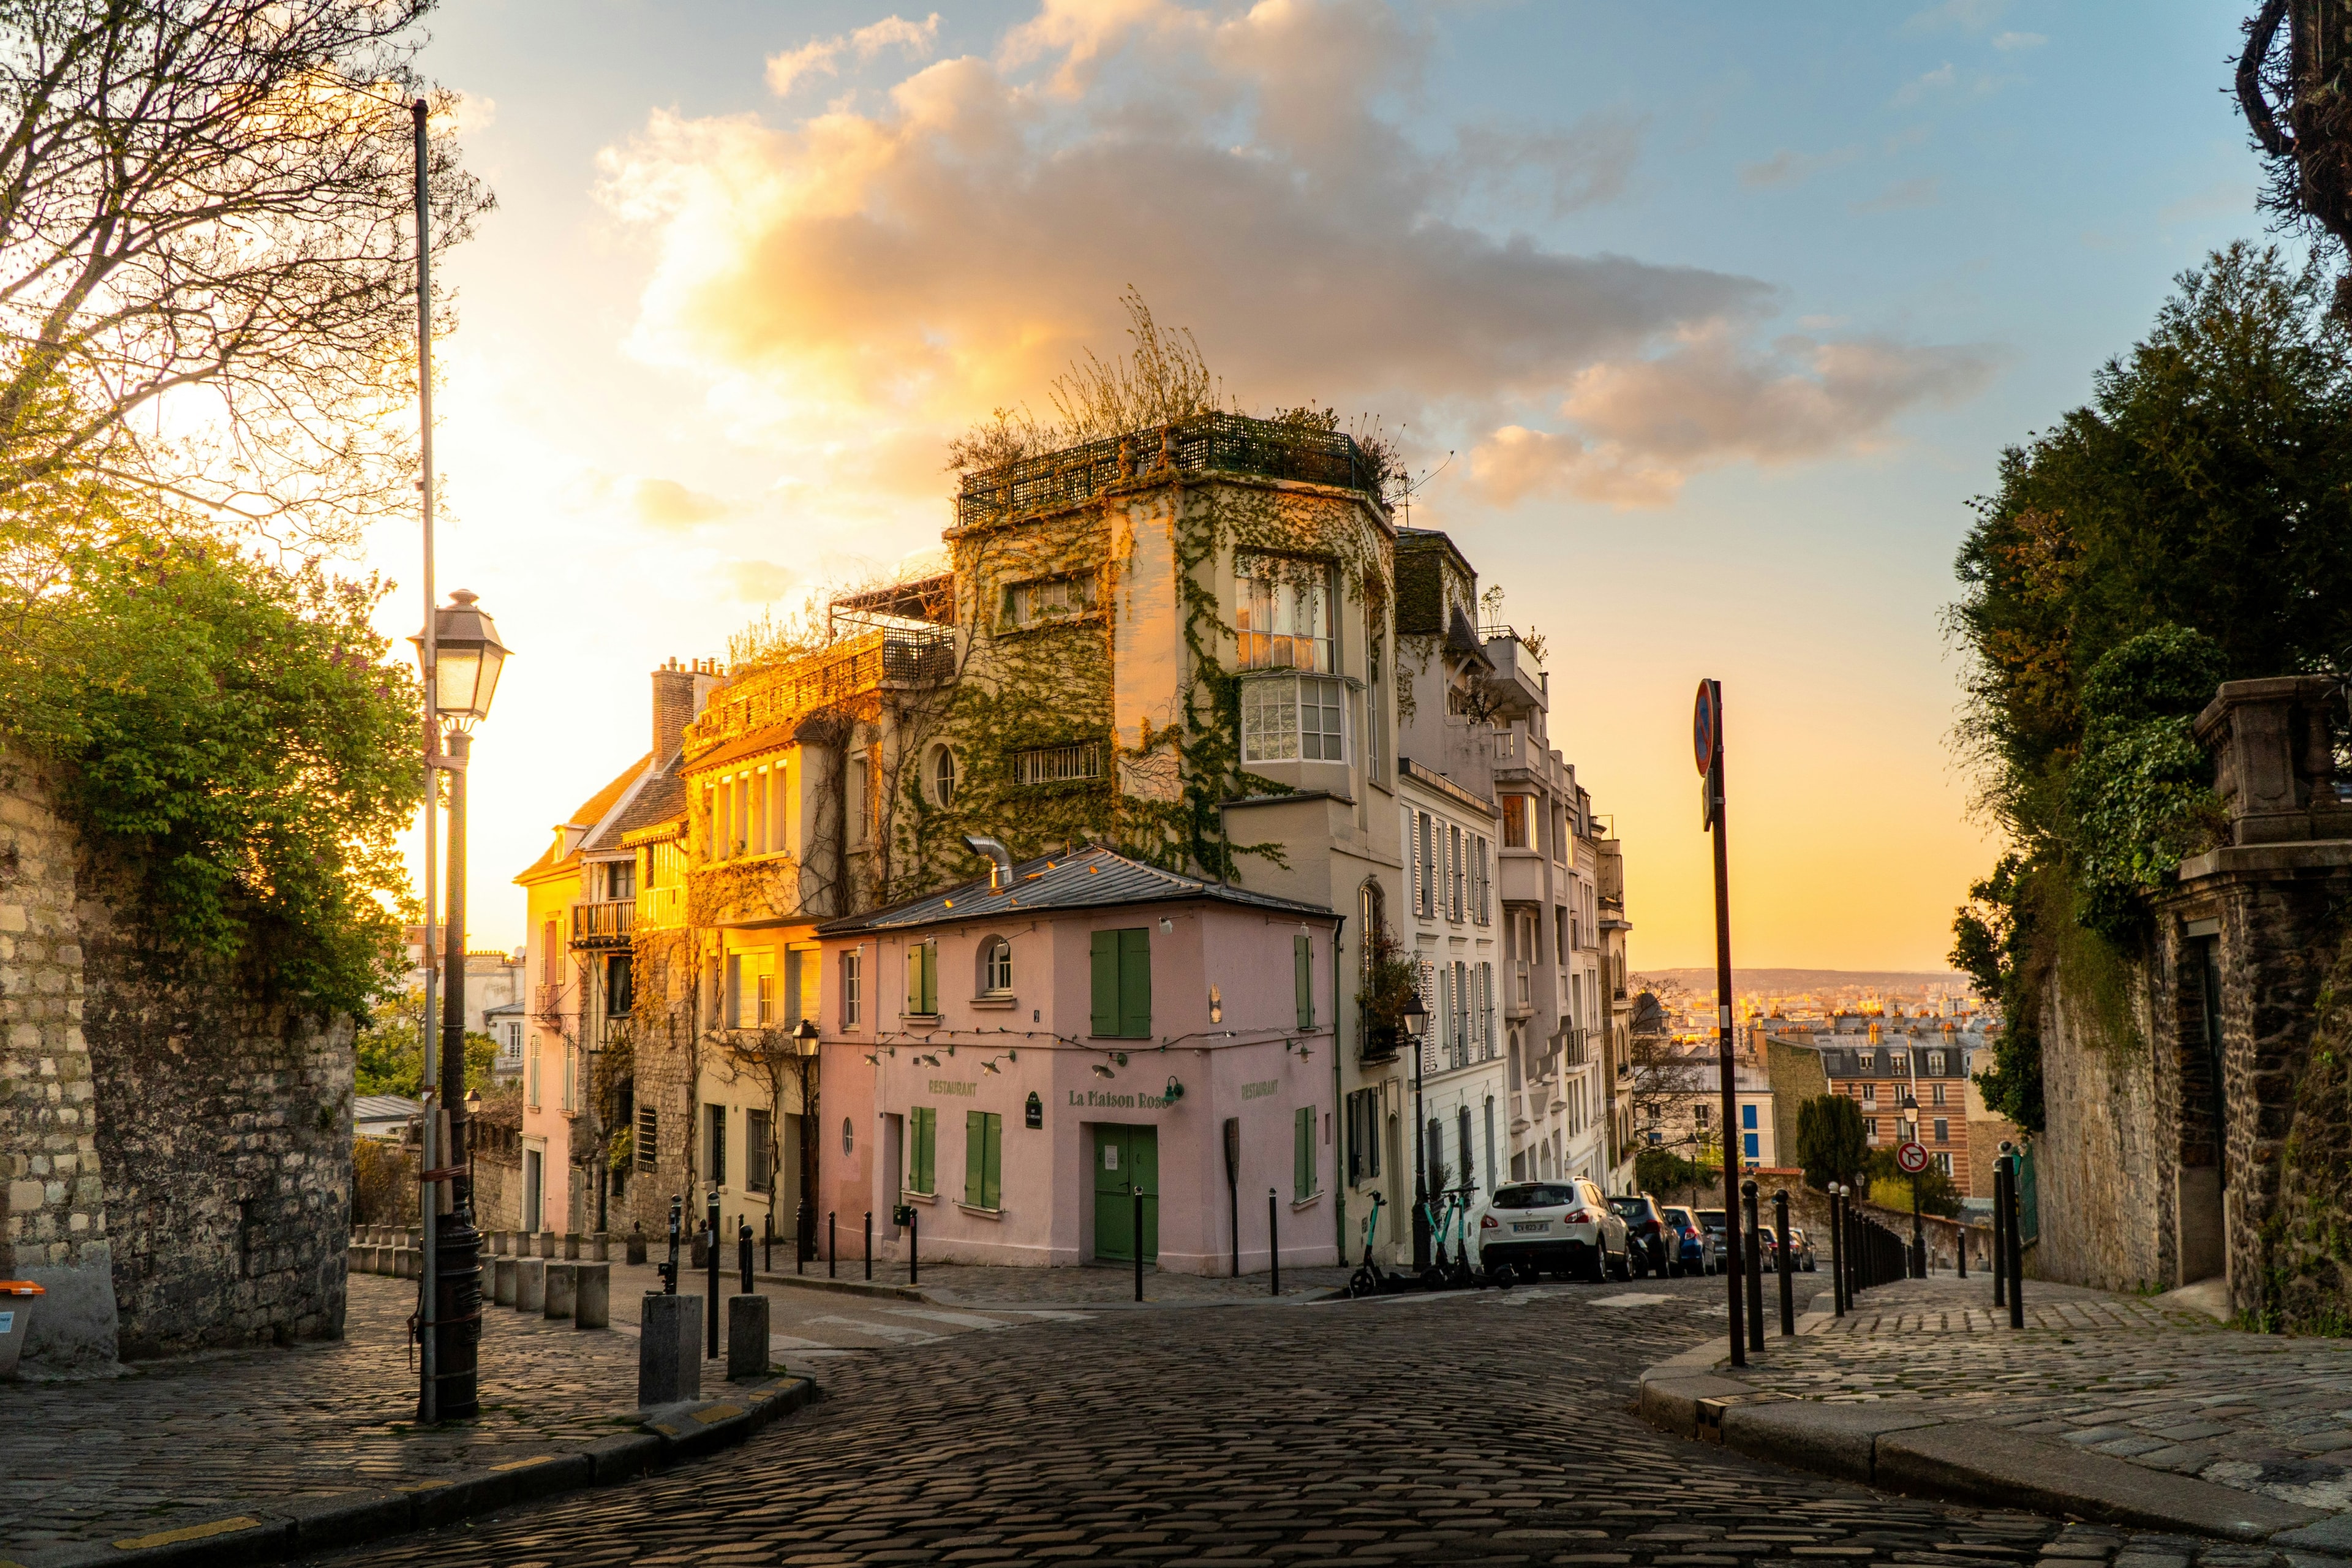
[799, 1237]
[768, 1240]
[914, 1264]
[744, 1252]
[668, 1270]
[869, 1243]
[710, 1307]
[2016, 1258]
[1755, 1269]
[1138, 1193]
[1272, 1244]
[1787, 1276]
[2000, 1233]
[832, 1243]
[1837, 1253]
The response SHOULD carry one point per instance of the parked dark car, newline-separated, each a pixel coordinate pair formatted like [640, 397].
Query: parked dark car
[1645, 1231]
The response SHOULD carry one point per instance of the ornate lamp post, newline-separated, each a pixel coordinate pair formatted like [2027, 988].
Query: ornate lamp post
[461, 661]
[804, 1036]
[1416, 1022]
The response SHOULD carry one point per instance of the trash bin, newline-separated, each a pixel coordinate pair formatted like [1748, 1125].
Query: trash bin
[16, 1299]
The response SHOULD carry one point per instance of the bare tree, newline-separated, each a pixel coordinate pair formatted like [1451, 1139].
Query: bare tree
[207, 285]
[2296, 93]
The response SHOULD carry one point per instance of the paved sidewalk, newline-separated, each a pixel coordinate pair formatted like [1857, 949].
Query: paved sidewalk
[2154, 1383]
[167, 1443]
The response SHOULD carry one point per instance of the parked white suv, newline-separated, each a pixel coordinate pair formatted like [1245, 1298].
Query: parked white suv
[1563, 1228]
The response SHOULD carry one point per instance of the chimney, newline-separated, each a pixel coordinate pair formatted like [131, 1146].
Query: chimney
[679, 692]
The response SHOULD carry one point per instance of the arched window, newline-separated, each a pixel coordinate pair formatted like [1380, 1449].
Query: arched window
[943, 777]
[995, 967]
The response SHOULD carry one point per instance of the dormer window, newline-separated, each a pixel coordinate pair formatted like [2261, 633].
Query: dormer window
[1282, 613]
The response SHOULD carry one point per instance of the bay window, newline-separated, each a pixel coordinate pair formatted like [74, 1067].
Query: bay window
[1283, 613]
[1288, 718]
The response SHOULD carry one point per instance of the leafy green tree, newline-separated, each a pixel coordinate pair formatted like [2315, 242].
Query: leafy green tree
[1890, 1188]
[2191, 524]
[389, 1049]
[230, 731]
[1664, 1170]
[1831, 1146]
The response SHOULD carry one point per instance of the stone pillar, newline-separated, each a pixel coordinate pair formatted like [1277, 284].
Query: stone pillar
[572, 1247]
[562, 1279]
[593, 1307]
[747, 1338]
[600, 1246]
[530, 1284]
[502, 1280]
[669, 1350]
[547, 1244]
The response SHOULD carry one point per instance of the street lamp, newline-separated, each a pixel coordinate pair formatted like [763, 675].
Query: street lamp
[460, 661]
[1918, 1227]
[804, 1041]
[1416, 1021]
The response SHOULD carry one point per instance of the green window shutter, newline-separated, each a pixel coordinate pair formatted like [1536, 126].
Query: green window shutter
[992, 1166]
[914, 980]
[1105, 958]
[975, 1157]
[1302, 967]
[921, 1158]
[1134, 983]
[930, 976]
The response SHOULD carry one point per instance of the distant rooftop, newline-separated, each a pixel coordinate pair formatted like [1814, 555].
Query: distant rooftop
[1205, 443]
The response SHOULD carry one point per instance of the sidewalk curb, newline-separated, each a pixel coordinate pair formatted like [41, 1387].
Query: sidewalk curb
[1912, 1447]
[954, 1299]
[303, 1525]
[845, 1286]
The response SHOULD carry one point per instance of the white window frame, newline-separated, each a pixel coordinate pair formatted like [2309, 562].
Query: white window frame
[1283, 608]
[1273, 713]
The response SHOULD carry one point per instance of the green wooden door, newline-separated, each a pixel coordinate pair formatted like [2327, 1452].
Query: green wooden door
[1126, 1159]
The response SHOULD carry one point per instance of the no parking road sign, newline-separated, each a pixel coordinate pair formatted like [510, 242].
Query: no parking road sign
[1911, 1158]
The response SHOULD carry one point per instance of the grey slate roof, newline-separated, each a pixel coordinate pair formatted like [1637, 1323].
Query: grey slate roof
[383, 1108]
[1090, 880]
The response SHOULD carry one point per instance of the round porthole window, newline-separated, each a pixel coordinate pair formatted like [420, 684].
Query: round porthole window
[943, 777]
[848, 1136]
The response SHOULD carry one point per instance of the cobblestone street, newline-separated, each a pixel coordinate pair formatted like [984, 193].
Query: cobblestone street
[2161, 1386]
[1486, 1427]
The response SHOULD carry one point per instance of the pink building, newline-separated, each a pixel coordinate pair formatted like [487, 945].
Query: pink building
[1014, 1062]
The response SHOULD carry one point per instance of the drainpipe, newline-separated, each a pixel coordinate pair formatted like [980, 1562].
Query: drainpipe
[1339, 1166]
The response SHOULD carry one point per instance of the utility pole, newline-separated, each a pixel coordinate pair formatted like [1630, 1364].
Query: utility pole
[428, 1409]
[1707, 744]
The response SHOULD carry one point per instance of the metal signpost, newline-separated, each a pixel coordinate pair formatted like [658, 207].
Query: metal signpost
[1707, 744]
[1911, 1159]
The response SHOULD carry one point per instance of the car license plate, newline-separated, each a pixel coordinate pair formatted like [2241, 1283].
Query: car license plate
[1531, 1225]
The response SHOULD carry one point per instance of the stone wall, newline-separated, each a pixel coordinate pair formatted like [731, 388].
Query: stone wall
[177, 1150]
[225, 1137]
[2103, 1192]
[52, 1206]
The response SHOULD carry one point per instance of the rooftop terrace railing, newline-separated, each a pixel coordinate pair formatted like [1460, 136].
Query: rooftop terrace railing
[1205, 443]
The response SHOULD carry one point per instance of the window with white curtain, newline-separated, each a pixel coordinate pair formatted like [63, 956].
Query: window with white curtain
[1282, 613]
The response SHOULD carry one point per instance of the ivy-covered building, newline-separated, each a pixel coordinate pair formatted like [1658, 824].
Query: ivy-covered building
[1182, 646]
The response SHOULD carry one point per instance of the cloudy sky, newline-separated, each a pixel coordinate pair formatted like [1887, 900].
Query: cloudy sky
[1706, 322]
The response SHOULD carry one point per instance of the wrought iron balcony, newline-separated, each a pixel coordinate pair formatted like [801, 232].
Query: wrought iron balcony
[605, 923]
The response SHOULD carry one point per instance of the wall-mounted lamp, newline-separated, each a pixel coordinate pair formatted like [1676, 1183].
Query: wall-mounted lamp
[1175, 1089]
[873, 1060]
[1166, 924]
[1102, 1071]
